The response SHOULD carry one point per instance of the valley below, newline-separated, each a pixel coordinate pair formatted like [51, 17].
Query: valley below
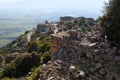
[12, 27]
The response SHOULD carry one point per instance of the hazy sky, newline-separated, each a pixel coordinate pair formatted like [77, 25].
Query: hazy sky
[54, 5]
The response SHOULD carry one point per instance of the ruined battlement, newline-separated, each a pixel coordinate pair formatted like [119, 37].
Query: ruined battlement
[66, 18]
[74, 39]
[92, 45]
[82, 56]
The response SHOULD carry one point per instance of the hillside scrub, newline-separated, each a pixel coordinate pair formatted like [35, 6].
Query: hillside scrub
[110, 22]
[21, 65]
[40, 44]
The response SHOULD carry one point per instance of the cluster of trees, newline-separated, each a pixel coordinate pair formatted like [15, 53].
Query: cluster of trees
[85, 24]
[21, 65]
[40, 44]
[25, 63]
[110, 22]
[38, 53]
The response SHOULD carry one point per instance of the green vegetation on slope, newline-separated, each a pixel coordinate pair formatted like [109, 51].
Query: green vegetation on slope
[39, 44]
[26, 65]
[19, 43]
[85, 24]
[21, 65]
[110, 22]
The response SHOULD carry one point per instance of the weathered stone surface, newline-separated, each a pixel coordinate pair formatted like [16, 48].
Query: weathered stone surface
[100, 57]
[87, 58]
[111, 54]
[117, 59]
[98, 66]
[111, 76]
[72, 68]
[102, 71]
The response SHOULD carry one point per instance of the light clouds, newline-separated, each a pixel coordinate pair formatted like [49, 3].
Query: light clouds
[84, 6]
[52, 4]
[8, 1]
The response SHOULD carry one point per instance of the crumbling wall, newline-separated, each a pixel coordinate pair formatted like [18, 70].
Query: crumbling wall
[56, 43]
[66, 18]
[88, 58]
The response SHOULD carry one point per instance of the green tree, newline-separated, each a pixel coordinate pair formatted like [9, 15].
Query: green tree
[21, 65]
[46, 57]
[64, 29]
[110, 22]
[33, 46]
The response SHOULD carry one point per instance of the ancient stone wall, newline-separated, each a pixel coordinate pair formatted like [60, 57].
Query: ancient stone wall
[41, 28]
[56, 43]
[72, 39]
[91, 58]
[66, 18]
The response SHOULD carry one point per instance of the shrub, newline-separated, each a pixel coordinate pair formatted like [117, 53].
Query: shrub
[110, 22]
[33, 46]
[51, 32]
[46, 57]
[21, 65]
[40, 45]
[75, 27]
[34, 75]
[44, 47]
[64, 29]
[9, 71]
[6, 78]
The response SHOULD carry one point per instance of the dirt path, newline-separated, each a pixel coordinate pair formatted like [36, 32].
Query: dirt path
[29, 36]
[55, 26]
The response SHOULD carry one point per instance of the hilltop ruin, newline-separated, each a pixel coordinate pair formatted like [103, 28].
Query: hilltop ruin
[79, 56]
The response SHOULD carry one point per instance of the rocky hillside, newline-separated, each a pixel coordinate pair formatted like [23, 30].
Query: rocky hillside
[71, 49]
[35, 43]
[20, 44]
[80, 56]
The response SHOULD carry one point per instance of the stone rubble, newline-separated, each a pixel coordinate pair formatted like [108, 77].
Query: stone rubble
[84, 57]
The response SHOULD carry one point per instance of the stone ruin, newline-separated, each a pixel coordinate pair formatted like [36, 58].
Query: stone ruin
[79, 56]
[66, 18]
[45, 28]
[41, 28]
